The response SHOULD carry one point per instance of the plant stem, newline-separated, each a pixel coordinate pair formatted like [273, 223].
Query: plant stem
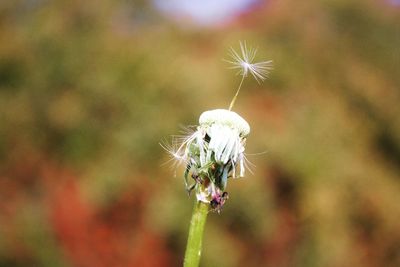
[197, 223]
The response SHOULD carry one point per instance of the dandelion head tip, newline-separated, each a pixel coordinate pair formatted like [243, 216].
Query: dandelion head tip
[225, 117]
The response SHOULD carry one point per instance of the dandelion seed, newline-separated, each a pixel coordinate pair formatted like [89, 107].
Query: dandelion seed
[244, 64]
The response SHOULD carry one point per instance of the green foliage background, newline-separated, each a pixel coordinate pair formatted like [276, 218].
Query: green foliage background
[88, 89]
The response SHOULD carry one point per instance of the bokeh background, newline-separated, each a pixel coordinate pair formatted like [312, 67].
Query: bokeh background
[88, 89]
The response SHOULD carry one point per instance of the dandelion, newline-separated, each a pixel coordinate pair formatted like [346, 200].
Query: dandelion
[213, 152]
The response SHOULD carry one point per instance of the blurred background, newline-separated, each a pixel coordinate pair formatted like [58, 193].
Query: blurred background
[88, 89]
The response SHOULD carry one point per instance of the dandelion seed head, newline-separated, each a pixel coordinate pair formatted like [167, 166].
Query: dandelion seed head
[212, 153]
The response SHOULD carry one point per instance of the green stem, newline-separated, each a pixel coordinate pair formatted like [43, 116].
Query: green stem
[193, 247]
